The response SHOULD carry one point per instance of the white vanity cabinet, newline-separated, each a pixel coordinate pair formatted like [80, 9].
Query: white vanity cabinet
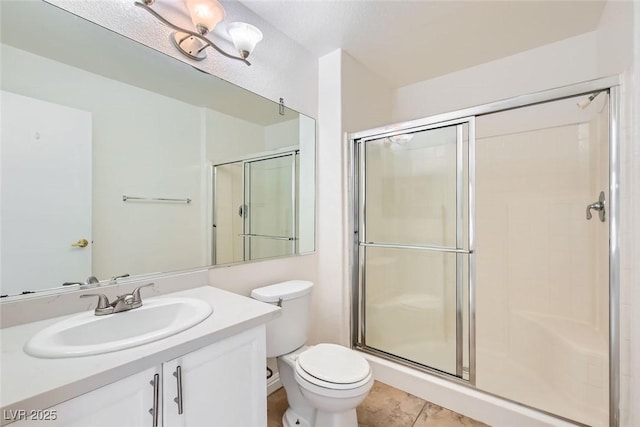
[221, 385]
[123, 403]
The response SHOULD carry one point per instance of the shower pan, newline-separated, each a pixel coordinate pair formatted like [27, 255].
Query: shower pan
[485, 249]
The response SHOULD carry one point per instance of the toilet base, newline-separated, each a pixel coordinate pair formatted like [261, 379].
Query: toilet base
[291, 419]
[337, 419]
[323, 419]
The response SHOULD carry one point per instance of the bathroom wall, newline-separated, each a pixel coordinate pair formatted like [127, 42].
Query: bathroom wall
[632, 270]
[352, 98]
[147, 146]
[230, 138]
[282, 135]
[557, 64]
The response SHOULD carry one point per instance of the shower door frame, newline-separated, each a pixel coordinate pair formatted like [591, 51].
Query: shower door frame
[610, 84]
[293, 239]
[458, 250]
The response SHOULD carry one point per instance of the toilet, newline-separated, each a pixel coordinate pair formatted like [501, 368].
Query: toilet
[325, 382]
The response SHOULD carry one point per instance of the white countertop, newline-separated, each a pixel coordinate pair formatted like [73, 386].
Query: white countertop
[28, 382]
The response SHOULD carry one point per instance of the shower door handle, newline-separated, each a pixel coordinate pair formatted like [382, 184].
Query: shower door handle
[597, 206]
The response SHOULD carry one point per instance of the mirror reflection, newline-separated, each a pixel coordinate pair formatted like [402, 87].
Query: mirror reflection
[117, 160]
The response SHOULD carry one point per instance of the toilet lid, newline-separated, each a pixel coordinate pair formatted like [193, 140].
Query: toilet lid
[334, 363]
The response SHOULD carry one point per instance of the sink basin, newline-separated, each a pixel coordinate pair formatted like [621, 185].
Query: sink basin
[87, 334]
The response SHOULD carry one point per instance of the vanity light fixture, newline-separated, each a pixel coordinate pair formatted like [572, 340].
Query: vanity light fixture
[205, 15]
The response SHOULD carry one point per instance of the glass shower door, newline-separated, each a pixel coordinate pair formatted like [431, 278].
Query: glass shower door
[414, 246]
[270, 207]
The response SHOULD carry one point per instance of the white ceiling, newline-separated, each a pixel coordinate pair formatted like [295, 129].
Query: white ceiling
[408, 41]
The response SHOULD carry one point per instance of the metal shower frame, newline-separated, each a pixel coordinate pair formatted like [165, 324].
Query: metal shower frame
[610, 84]
[293, 239]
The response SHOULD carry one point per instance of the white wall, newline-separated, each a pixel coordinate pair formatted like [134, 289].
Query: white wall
[229, 138]
[632, 268]
[352, 98]
[557, 64]
[280, 135]
[329, 304]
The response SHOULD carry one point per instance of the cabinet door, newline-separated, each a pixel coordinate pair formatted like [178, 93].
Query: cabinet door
[125, 403]
[223, 384]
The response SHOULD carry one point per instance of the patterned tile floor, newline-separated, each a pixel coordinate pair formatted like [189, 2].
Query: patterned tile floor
[385, 406]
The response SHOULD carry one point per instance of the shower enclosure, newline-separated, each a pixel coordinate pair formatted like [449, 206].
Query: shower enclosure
[255, 208]
[485, 249]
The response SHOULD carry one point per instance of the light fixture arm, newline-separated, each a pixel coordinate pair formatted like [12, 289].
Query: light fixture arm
[191, 33]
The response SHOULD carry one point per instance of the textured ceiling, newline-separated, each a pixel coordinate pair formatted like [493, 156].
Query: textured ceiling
[408, 41]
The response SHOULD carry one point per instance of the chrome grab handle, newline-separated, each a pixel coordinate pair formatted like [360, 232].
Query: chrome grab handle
[178, 400]
[156, 399]
[264, 236]
[597, 206]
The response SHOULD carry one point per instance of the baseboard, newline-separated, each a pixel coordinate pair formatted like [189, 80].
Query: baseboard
[273, 383]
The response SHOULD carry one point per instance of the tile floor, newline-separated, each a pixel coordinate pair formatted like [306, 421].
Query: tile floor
[385, 407]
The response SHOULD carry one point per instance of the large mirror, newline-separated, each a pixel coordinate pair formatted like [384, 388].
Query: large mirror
[117, 159]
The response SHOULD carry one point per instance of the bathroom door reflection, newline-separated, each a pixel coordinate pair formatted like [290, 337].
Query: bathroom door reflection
[414, 246]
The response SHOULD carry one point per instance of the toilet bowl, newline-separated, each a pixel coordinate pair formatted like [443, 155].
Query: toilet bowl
[324, 383]
[317, 402]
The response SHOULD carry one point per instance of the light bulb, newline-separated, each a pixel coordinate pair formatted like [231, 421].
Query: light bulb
[205, 14]
[245, 37]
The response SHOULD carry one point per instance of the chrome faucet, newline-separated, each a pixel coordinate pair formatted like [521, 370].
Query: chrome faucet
[124, 302]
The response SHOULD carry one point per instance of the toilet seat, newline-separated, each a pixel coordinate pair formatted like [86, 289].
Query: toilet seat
[333, 367]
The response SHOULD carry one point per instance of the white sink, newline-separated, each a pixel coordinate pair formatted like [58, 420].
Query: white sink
[87, 334]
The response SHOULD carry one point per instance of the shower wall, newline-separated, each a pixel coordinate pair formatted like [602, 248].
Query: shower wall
[542, 268]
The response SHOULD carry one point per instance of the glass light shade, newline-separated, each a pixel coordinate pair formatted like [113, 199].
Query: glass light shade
[245, 37]
[205, 14]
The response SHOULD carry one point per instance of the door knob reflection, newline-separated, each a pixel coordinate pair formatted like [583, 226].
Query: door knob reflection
[82, 243]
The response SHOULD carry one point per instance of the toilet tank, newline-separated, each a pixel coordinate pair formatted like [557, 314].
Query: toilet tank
[289, 331]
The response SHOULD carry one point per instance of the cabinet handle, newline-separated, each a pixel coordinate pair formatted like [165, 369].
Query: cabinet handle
[156, 399]
[178, 400]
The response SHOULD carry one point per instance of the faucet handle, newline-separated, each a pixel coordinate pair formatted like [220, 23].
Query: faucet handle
[92, 280]
[103, 301]
[72, 283]
[136, 293]
[114, 278]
